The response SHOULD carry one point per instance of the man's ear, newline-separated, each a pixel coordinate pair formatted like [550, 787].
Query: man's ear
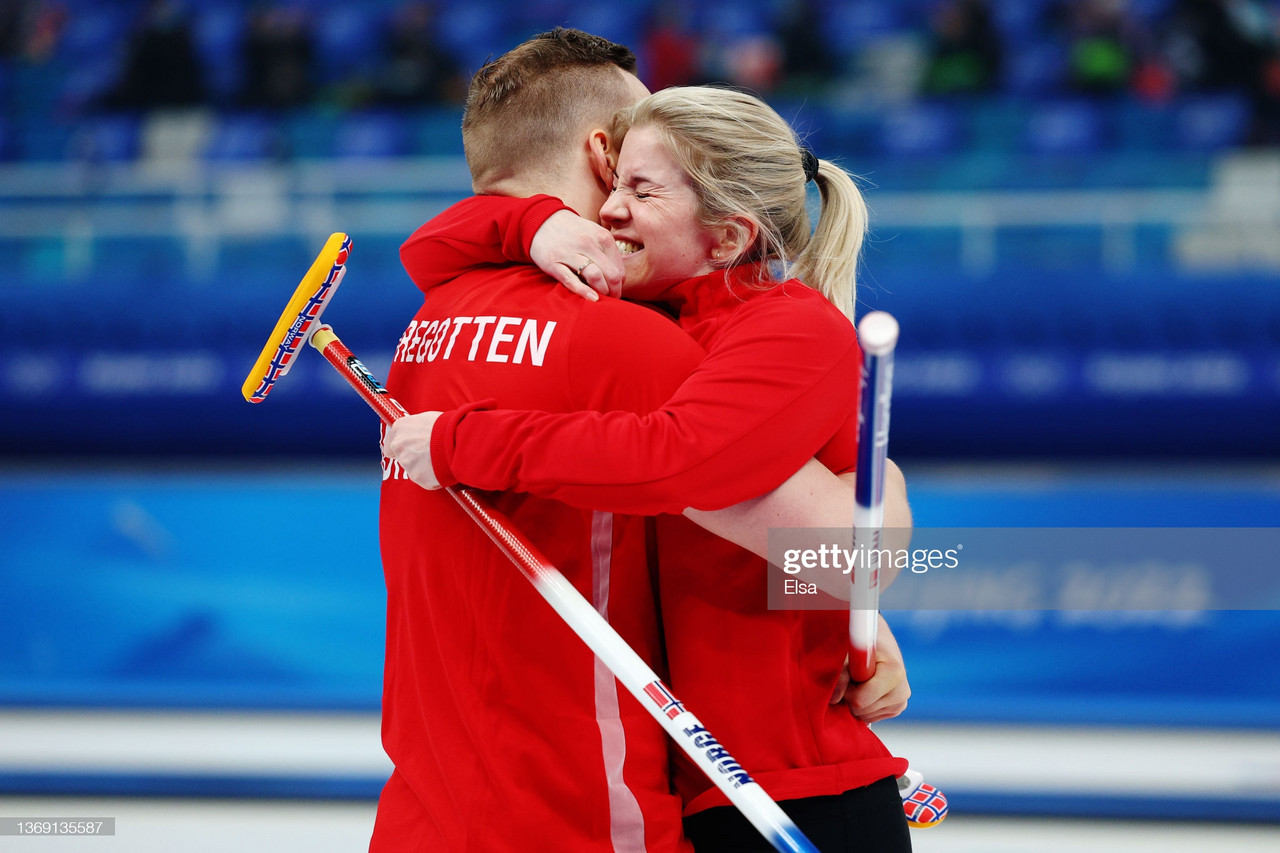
[603, 156]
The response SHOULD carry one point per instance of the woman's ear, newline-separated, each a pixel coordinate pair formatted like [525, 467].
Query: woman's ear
[734, 239]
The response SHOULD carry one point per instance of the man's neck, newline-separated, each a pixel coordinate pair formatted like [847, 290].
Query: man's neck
[575, 193]
[515, 187]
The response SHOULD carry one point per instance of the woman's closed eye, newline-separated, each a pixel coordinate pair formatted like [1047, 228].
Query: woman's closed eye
[634, 192]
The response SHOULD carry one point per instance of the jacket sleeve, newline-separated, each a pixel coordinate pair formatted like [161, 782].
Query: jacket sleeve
[476, 232]
[780, 380]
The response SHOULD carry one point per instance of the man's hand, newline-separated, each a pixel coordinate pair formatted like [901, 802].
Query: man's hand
[579, 254]
[885, 694]
[408, 441]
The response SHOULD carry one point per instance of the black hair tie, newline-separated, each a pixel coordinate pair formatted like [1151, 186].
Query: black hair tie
[810, 163]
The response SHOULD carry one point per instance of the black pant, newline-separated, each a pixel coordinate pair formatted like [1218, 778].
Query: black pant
[864, 820]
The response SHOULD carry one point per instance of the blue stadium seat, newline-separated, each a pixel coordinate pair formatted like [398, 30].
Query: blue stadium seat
[923, 128]
[1050, 171]
[620, 22]
[533, 16]
[436, 132]
[848, 25]
[1065, 127]
[1211, 122]
[995, 123]
[371, 135]
[1142, 126]
[1020, 21]
[1034, 68]
[728, 20]
[244, 137]
[474, 31]
[976, 169]
[41, 141]
[1151, 169]
[860, 21]
[310, 133]
[808, 117]
[218, 30]
[349, 40]
[34, 89]
[891, 252]
[97, 29]
[87, 82]
[834, 132]
[110, 139]
[1150, 11]
[878, 174]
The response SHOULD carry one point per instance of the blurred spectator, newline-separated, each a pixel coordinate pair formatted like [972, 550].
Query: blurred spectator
[741, 49]
[807, 62]
[160, 68]
[278, 59]
[30, 29]
[1212, 49]
[752, 61]
[1105, 44]
[670, 54]
[1153, 80]
[13, 15]
[417, 69]
[1220, 45]
[47, 23]
[1266, 127]
[965, 53]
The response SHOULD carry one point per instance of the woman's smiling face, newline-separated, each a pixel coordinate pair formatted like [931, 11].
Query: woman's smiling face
[653, 215]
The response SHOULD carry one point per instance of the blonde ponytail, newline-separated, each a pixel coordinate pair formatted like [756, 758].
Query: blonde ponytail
[829, 261]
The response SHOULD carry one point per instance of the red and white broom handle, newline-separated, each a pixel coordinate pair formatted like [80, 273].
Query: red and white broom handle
[585, 621]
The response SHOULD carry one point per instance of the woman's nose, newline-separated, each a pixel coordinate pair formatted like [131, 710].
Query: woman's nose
[614, 209]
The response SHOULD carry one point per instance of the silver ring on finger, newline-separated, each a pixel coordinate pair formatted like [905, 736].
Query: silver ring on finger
[579, 270]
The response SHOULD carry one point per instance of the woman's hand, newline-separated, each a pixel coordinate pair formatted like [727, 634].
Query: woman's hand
[579, 254]
[885, 694]
[408, 442]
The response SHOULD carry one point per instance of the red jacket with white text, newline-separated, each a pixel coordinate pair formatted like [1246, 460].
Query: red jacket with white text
[506, 733]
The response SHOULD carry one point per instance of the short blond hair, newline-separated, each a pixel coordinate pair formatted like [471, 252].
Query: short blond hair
[744, 160]
[528, 108]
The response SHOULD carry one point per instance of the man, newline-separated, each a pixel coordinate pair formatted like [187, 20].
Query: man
[491, 705]
[505, 732]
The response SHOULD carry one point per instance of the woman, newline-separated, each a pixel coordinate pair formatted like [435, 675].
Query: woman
[709, 214]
